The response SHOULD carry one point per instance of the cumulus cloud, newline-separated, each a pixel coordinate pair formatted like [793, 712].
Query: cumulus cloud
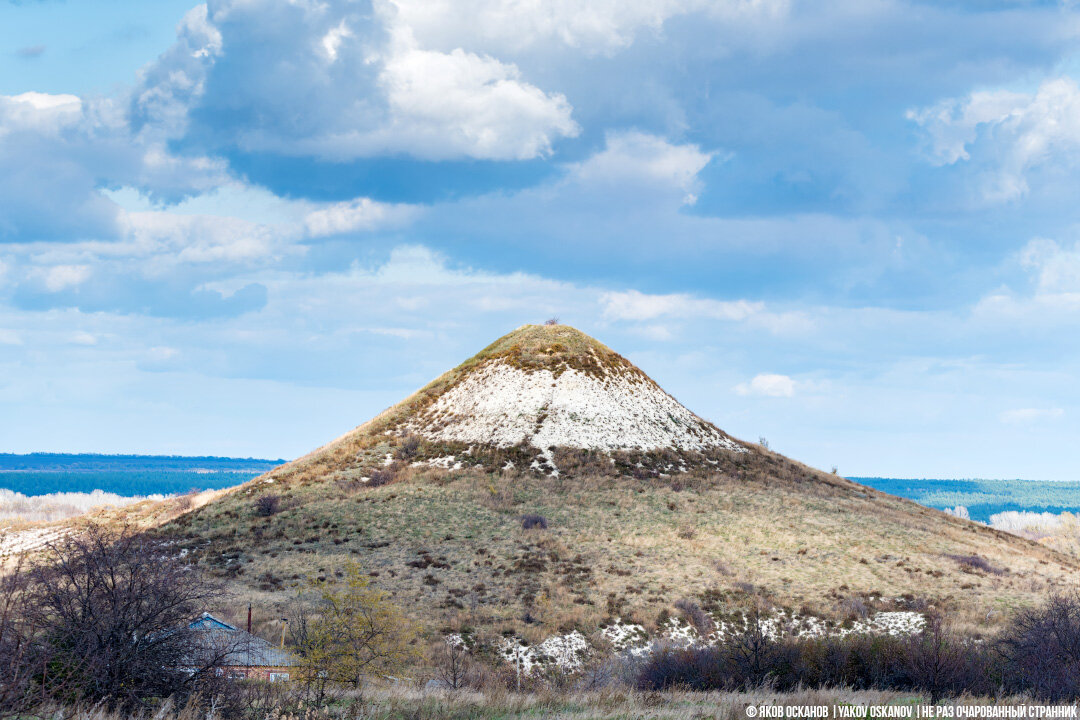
[60, 150]
[767, 385]
[1010, 132]
[42, 112]
[1029, 416]
[332, 81]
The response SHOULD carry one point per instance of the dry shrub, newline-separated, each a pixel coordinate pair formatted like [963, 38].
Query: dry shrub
[975, 563]
[408, 449]
[695, 616]
[532, 521]
[382, 476]
[268, 505]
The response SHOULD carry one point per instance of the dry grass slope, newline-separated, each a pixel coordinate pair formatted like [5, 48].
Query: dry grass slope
[628, 534]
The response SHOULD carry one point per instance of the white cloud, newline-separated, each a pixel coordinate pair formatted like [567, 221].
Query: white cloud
[635, 305]
[62, 277]
[1028, 416]
[767, 385]
[332, 40]
[1055, 271]
[457, 104]
[1057, 268]
[1014, 132]
[208, 238]
[10, 337]
[41, 112]
[640, 157]
[347, 84]
[599, 26]
[356, 215]
[81, 337]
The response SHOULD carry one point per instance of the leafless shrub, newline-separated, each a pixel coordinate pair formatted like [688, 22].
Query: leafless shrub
[552, 320]
[382, 476]
[454, 667]
[268, 505]
[183, 503]
[975, 563]
[854, 608]
[695, 616]
[1042, 649]
[21, 663]
[532, 521]
[408, 448]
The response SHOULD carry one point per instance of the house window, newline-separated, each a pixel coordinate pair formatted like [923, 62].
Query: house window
[279, 676]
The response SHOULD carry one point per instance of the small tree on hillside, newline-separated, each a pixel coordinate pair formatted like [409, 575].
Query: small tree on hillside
[355, 632]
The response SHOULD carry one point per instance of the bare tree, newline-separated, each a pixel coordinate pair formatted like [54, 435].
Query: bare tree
[1042, 649]
[752, 649]
[21, 667]
[934, 660]
[453, 664]
[111, 612]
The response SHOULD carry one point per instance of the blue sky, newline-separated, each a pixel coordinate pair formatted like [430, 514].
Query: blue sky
[244, 227]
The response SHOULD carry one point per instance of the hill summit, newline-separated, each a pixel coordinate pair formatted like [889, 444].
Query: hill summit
[554, 386]
[535, 394]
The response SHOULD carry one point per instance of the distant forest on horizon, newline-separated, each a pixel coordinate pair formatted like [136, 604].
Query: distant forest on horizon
[981, 497]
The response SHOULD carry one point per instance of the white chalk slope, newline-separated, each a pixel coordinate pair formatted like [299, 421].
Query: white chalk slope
[499, 404]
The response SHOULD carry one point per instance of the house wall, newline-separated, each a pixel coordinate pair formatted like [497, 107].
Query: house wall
[256, 673]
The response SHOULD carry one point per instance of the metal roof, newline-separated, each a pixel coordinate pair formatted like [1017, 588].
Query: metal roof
[241, 648]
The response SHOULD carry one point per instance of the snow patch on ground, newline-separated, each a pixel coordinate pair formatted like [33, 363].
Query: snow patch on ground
[448, 462]
[568, 652]
[502, 405]
[565, 652]
[625, 636]
[901, 622]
